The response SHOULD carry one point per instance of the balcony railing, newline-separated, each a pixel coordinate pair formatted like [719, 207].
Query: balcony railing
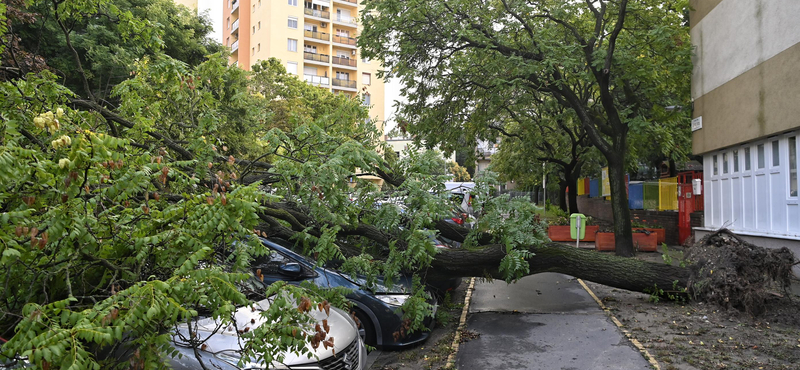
[234, 6]
[317, 35]
[344, 40]
[317, 80]
[344, 83]
[346, 19]
[235, 25]
[344, 61]
[316, 57]
[317, 13]
[235, 46]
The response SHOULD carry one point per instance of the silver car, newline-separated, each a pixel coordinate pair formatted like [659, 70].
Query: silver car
[220, 350]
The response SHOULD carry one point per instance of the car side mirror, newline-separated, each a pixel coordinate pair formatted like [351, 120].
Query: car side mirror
[292, 269]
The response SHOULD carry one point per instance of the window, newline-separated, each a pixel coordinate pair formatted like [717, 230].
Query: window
[366, 79]
[310, 49]
[293, 2]
[736, 161]
[229, 22]
[259, 24]
[367, 100]
[793, 166]
[761, 160]
[254, 51]
[747, 159]
[343, 76]
[365, 60]
[259, 3]
[228, 41]
[292, 45]
[254, 30]
[724, 162]
[259, 47]
[291, 67]
[254, 8]
[776, 154]
[716, 172]
[293, 22]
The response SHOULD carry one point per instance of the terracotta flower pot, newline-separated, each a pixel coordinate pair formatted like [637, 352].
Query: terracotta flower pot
[559, 233]
[660, 233]
[645, 242]
[562, 233]
[605, 242]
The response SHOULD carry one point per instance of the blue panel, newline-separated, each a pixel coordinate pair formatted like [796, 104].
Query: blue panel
[594, 188]
[636, 196]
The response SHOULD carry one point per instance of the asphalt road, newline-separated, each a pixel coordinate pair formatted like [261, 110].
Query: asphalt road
[544, 321]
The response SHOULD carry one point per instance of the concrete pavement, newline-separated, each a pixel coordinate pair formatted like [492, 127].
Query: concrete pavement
[544, 321]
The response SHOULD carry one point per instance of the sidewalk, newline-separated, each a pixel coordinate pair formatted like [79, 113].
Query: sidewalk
[544, 321]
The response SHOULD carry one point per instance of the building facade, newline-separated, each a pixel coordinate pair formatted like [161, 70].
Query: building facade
[191, 4]
[746, 110]
[315, 39]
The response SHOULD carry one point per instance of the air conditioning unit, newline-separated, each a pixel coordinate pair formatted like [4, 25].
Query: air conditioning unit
[353, 52]
[323, 25]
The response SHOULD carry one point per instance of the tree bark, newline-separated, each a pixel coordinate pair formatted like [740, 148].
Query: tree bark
[562, 197]
[623, 235]
[572, 183]
[624, 273]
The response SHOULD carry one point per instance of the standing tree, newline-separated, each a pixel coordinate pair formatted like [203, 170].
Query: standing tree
[610, 62]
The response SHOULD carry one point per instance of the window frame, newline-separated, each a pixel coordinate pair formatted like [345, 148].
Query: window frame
[289, 23]
[290, 43]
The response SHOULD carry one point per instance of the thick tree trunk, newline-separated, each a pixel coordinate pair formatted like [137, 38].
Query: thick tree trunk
[623, 273]
[572, 182]
[562, 195]
[623, 236]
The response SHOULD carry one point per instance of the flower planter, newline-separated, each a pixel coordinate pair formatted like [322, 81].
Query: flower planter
[605, 242]
[562, 233]
[661, 233]
[645, 242]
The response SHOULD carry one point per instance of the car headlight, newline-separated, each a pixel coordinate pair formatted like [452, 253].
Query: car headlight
[395, 300]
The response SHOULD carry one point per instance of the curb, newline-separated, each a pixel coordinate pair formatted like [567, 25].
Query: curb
[616, 322]
[451, 360]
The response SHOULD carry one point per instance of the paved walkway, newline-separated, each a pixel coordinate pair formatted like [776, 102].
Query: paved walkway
[544, 321]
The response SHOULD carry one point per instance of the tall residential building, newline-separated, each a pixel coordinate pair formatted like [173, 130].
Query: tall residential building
[746, 90]
[191, 4]
[315, 39]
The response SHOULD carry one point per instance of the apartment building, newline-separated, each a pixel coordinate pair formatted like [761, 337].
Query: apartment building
[315, 39]
[746, 109]
[191, 4]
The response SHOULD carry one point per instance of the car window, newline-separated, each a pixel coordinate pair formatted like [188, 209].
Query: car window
[271, 263]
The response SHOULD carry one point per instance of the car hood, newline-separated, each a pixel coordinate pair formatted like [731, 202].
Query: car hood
[400, 286]
[342, 328]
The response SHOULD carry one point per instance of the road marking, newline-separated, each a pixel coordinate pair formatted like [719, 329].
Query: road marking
[451, 360]
[636, 343]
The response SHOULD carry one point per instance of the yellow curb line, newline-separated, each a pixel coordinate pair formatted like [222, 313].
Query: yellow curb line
[630, 337]
[451, 360]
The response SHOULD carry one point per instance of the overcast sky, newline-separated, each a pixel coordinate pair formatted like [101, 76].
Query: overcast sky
[214, 9]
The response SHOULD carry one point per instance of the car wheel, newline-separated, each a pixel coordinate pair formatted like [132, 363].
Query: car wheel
[365, 328]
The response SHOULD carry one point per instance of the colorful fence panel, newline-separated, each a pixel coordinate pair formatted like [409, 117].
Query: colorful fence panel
[636, 195]
[668, 194]
[594, 188]
[581, 188]
[650, 195]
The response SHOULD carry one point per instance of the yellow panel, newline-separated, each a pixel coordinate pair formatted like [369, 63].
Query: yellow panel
[580, 187]
[668, 194]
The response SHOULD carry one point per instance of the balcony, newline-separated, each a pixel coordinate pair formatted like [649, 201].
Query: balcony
[235, 26]
[317, 80]
[344, 83]
[317, 13]
[235, 46]
[344, 40]
[316, 57]
[347, 2]
[344, 61]
[317, 35]
[234, 6]
[346, 19]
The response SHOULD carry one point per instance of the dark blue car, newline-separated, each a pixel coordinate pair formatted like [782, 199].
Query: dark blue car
[381, 319]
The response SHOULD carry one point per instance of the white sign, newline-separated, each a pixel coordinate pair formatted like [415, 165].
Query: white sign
[697, 123]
